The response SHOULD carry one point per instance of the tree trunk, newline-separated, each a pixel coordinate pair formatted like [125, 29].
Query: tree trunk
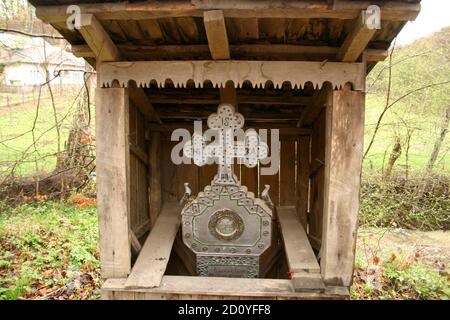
[396, 152]
[439, 140]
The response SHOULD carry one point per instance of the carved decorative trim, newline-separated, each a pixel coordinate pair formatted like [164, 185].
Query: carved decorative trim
[219, 72]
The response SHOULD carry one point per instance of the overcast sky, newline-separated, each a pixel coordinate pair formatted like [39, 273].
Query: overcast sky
[435, 15]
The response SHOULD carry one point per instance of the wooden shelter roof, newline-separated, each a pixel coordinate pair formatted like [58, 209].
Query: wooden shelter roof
[256, 30]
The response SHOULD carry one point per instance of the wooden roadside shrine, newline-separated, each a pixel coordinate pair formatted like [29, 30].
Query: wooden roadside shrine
[296, 66]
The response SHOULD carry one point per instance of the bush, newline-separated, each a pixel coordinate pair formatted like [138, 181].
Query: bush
[414, 204]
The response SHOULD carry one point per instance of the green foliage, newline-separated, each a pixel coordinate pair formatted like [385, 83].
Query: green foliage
[398, 278]
[45, 247]
[425, 284]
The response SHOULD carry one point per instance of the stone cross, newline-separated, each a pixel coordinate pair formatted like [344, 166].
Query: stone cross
[227, 124]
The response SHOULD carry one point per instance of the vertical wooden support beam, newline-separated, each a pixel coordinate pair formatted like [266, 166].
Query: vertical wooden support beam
[155, 177]
[343, 163]
[216, 32]
[113, 189]
[302, 189]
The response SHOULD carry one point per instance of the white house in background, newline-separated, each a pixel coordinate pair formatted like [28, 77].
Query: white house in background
[27, 66]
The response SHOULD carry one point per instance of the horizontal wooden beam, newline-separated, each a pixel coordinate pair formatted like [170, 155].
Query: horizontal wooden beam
[98, 39]
[258, 73]
[204, 98]
[391, 10]
[284, 130]
[184, 287]
[288, 52]
[356, 41]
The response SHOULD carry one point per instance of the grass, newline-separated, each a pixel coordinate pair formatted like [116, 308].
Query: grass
[16, 136]
[48, 250]
[425, 124]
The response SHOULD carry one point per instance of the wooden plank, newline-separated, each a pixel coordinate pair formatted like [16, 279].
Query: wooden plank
[152, 262]
[169, 178]
[97, 39]
[155, 177]
[151, 30]
[299, 253]
[272, 180]
[343, 162]
[192, 288]
[113, 188]
[231, 288]
[390, 10]
[217, 34]
[135, 244]
[356, 41]
[302, 189]
[206, 174]
[249, 178]
[219, 72]
[214, 286]
[288, 196]
[247, 28]
[319, 101]
[304, 281]
[286, 52]
[315, 217]
[131, 30]
[139, 153]
[141, 100]
[188, 30]
[209, 97]
[284, 130]
[187, 174]
[186, 256]
[228, 95]
[141, 229]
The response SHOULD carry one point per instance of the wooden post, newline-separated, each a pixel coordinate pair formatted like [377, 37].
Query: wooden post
[343, 162]
[113, 189]
[302, 188]
[155, 177]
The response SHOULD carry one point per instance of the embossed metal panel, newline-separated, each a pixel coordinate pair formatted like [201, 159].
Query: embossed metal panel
[225, 225]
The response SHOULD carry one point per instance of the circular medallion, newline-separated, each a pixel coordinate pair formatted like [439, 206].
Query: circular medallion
[226, 225]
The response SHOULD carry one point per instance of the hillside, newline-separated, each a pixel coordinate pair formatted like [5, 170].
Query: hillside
[417, 118]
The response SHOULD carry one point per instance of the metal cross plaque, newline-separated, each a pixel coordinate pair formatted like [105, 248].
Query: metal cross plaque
[225, 225]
